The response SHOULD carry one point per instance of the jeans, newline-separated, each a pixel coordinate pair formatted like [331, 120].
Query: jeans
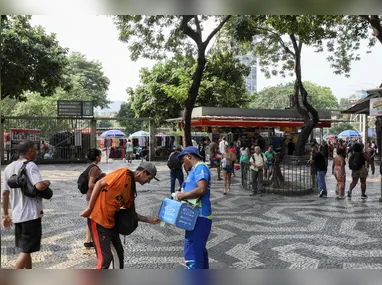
[257, 176]
[176, 174]
[321, 185]
[371, 164]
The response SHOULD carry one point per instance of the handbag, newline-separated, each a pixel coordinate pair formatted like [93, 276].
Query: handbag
[21, 180]
[126, 219]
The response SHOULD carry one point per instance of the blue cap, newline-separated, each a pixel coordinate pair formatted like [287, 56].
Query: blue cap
[189, 150]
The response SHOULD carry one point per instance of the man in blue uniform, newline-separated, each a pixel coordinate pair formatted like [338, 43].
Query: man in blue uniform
[196, 186]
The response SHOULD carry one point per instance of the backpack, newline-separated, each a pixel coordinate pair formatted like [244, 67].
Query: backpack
[83, 179]
[173, 162]
[356, 161]
[126, 219]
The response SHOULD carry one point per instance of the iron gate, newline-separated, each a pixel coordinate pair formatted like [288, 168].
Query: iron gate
[59, 139]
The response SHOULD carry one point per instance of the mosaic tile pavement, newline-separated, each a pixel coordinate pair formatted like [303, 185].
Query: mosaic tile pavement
[268, 232]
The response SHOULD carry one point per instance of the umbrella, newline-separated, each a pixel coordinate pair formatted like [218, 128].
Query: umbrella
[140, 134]
[113, 133]
[161, 135]
[349, 133]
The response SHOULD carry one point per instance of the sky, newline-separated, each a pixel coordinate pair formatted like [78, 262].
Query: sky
[97, 38]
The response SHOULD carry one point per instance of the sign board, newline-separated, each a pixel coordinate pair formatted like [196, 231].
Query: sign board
[375, 107]
[70, 108]
[179, 214]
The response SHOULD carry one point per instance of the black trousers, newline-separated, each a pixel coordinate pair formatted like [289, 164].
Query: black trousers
[108, 246]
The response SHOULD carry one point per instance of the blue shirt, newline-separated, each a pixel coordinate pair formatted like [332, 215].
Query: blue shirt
[197, 173]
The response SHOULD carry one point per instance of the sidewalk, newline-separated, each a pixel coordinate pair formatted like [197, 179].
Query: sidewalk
[271, 231]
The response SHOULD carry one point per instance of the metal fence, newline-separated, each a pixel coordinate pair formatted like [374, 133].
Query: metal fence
[64, 139]
[291, 176]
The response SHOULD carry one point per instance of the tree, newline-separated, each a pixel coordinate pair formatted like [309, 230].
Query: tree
[87, 82]
[126, 111]
[146, 37]
[279, 46]
[162, 92]
[338, 128]
[278, 97]
[31, 60]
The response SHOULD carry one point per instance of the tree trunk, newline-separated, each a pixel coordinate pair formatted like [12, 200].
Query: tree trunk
[375, 22]
[192, 95]
[307, 112]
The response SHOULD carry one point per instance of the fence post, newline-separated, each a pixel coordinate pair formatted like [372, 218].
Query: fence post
[151, 140]
[2, 139]
[93, 133]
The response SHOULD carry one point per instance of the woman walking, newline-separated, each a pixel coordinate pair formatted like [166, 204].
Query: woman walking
[227, 165]
[338, 170]
[94, 174]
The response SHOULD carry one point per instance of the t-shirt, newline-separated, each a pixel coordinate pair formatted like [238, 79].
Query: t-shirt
[23, 208]
[259, 159]
[319, 161]
[129, 147]
[116, 194]
[197, 173]
[213, 149]
[291, 148]
[96, 173]
[269, 154]
[222, 145]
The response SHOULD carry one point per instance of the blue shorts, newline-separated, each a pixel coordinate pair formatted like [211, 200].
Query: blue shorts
[228, 168]
[268, 166]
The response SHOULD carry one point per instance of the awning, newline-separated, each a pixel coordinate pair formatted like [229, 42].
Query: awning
[363, 106]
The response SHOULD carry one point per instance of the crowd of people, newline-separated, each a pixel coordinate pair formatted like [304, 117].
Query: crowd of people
[106, 196]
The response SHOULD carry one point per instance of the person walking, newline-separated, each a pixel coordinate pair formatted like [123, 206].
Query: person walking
[339, 172]
[112, 192]
[129, 151]
[357, 163]
[318, 160]
[215, 157]
[197, 186]
[27, 212]
[176, 172]
[202, 148]
[257, 162]
[291, 147]
[270, 155]
[227, 166]
[324, 149]
[94, 174]
[370, 151]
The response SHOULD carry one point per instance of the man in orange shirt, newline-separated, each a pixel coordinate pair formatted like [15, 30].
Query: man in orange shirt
[114, 191]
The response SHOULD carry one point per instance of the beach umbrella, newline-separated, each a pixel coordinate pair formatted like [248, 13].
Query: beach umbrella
[113, 133]
[349, 133]
[140, 134]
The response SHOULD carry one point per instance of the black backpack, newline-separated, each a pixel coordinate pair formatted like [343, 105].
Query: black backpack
[83, 179]
[126, 220]
[356, 161]
[173, 162]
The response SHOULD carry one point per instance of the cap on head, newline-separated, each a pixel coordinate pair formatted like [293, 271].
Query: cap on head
[189, 150]
[150, 168]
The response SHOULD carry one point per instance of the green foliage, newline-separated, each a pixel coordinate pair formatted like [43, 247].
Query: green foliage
[339, 35]
[130, 127]
[87, 82]
[278, 97]
[338, 128]
[31, 60]
[163, 89]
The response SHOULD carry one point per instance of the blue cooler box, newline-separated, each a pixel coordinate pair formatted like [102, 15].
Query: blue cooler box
[179, 214]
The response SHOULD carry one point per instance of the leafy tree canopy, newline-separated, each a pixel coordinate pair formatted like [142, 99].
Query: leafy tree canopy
[87, 82]
[163, 89]
[338, 128]
[130, 127]
[278, 97]
[32, 61]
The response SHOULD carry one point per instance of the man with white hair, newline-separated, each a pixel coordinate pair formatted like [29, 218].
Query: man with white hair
[257, 162]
